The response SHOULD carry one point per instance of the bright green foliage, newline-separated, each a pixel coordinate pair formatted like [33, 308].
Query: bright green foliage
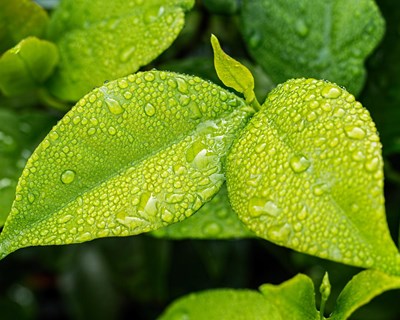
[306, 173]
[360, 290]
[295, 298]
[132, 156]
[27, 65]
[215, 220]
[322, 39]
[104, 40]
[19, 135]
[20, 19]
[222, 304]
[325, 291]
[232, 73]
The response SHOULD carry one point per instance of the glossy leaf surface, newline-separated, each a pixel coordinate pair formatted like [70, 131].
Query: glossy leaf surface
[322, 39]
[101, 40]
[20, 19]
[362, 289]
[215, 220]
[306, 173]
[295, 298]
[27, 65]
[132, 156]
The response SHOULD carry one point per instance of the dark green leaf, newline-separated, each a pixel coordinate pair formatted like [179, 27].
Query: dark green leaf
[323, 39]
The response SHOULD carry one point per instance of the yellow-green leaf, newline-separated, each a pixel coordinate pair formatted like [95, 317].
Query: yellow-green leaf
[232, 73]
[132, 156]
[26, 66]
[306, 173]
[104, 40]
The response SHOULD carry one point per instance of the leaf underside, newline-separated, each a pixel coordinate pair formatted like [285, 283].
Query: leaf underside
[132, 156]
[306, 173]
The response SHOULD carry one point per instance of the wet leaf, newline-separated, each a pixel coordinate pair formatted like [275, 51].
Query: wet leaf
[27, 65]
[306, 173]
[362, 289]
[20, 19]
[101, 41]
[132, 156]
[215, 220]
[326, 39]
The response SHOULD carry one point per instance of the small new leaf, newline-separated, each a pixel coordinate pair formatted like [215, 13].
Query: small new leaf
[232, 73]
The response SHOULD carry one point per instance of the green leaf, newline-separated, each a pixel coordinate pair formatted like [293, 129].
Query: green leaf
[132, 156]
[222, 304]
[27, 65]
[101, 40]
[362, 289]
[295, 298]
[20, 19]
[323, 39]
[215, 220]
[306, 173]
[232, 73]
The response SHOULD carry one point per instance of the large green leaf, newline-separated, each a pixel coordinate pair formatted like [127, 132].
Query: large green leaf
[323, 39]
[27, 65]
[360, 290]
[132, 156]
[293, 299]
[18, 20]
[306, 173]
[104, 40]
[215, 220]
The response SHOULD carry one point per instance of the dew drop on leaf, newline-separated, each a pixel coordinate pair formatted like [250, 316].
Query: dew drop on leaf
[68, 176]
[354, 132]
[149, 109]
[331, 92]
[113, 106]
[299, 163]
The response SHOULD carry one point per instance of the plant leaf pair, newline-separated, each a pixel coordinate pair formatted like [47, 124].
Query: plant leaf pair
[132, 156]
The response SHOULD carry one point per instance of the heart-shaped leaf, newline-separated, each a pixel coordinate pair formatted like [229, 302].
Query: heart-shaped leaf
[306, 173]
[101, 40]
[322, 39]
[215, 220]
[27, 65]
[362, 289]
[293, 299]
[132, 156]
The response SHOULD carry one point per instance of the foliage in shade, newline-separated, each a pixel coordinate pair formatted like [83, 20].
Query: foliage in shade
[20, 19]
[323, 39]
[306, 173]
[27, 65]
[94, 174]
[214, 220]
[101, 40]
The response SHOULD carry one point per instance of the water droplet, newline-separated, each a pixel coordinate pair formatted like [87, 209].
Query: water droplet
[299, 163]
[127, 53]
[31, 197]
[260, 147]
[64, 219]
[195, 112]
[123, 84]
[331, 92]
[112, 131]
[199, 156]
[319, 189]
[149, 76]
[301, 28]
[182, 85]
[53, 135]
[212, 229]
[259, 207]
[279, 233]
[167, 216]
[354, 132]
[131, 222]
[148, 204]
[372, 164]
[358, 155]
[68, 176]
[149, 109]
[113, 106]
